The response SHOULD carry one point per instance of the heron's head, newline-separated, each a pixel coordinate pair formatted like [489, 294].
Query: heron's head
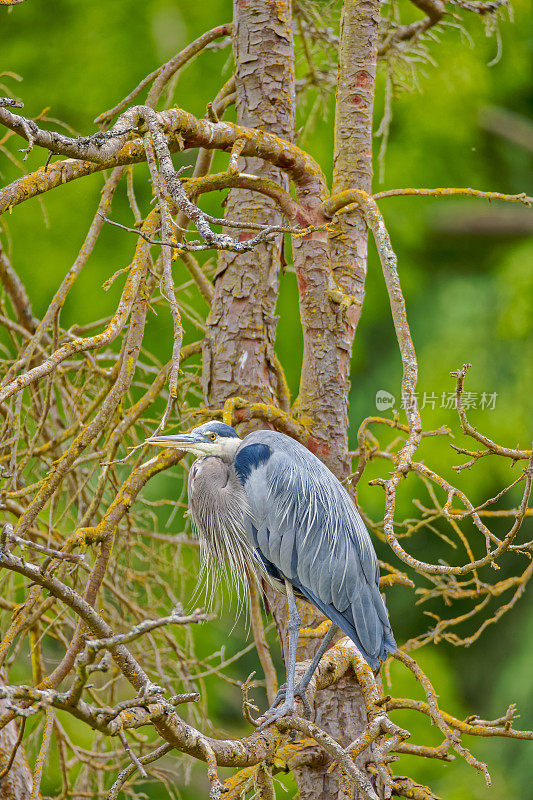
[210, 439]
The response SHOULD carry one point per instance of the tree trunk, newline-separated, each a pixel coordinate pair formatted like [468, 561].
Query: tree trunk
[352, 159]
[17, 784]
[238, 350]
[341, 710]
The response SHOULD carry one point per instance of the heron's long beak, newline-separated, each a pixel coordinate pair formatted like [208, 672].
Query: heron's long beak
[180, 441]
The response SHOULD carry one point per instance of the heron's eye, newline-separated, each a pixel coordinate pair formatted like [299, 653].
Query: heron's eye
[212, 436]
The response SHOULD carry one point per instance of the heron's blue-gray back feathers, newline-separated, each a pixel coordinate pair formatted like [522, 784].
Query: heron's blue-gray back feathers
[308, 528]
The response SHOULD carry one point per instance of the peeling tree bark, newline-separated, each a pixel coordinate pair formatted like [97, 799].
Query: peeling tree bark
[328, 272]
[239, 345]
[325, 378]
[339, 269]
[352, 160]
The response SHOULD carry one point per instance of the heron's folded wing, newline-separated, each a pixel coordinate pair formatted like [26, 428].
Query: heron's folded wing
[317, 540]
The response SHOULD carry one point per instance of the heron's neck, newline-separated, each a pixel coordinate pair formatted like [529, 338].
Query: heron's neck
[230, 450]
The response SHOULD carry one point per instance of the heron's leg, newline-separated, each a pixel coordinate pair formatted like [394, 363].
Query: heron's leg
[293, 631]
[300, 689]
[304, 683]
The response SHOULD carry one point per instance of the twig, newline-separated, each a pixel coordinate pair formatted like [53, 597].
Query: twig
[469, 429]
[146, 626]
[161, 75]
[43, 752]
[133, 758]
[128, 771]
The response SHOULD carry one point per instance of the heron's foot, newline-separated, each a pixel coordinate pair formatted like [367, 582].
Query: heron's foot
[275, 713]
[299, 692]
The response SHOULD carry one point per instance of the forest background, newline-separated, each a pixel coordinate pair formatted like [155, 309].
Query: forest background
[466, 269]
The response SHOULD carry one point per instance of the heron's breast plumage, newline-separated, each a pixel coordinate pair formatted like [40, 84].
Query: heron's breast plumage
[219, 507]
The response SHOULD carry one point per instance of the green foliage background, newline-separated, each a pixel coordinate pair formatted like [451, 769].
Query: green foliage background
[469, 297]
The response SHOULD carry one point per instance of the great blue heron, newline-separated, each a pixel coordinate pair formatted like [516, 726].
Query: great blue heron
[267, 502]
